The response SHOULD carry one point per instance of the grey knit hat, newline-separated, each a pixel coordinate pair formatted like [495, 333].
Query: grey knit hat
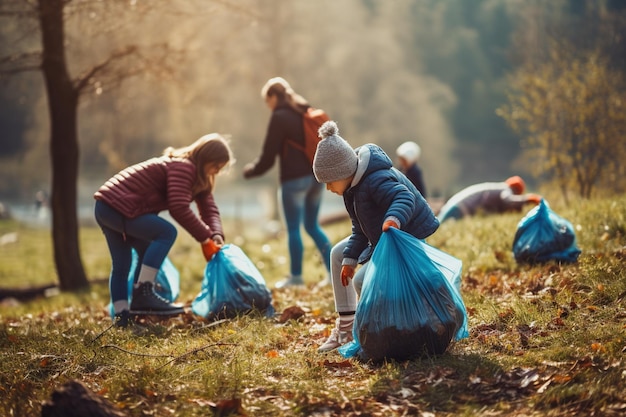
[334, 158]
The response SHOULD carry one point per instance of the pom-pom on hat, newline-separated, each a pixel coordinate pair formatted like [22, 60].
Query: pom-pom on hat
[410, 151]
[517, 184]
[334, 158]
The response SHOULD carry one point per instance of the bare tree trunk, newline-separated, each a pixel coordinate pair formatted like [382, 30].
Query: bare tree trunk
[63, 107]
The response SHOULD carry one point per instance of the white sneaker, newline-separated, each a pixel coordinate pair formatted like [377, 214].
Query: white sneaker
[337, 338]
[326, 281]
[290, 281]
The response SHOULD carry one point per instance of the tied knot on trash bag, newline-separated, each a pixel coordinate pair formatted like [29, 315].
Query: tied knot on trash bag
[542, 236]
[231, 286]
[410, 303]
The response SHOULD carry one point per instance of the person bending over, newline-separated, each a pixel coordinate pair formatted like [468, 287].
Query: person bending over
[127, 210]
[488, 197]
[377, 196]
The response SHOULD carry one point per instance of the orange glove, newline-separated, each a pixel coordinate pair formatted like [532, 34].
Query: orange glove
[533, 198]
[347, 272]
[389, 223]
[210, 248]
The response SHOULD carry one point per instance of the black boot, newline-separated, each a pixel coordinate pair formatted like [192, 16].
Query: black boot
[147, 301]
[122, 319]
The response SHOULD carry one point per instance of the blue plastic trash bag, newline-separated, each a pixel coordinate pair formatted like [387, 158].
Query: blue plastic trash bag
[232, 285]
[542, 236]
[410, 302]
[167, 283]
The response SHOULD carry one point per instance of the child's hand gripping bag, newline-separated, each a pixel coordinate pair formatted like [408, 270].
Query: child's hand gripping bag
[542, 235]
[410, 302]
[232, 285]
[167, 283]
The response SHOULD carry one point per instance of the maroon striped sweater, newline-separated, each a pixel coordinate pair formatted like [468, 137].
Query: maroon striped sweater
[160, 184]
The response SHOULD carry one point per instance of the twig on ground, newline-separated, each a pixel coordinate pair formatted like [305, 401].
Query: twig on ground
[137, 353]
[196, 350]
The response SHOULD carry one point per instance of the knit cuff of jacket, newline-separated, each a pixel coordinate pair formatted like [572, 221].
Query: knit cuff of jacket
[394, 219]
[349, 261]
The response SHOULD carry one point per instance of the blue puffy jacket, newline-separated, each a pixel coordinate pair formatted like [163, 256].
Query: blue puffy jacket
[379, 191]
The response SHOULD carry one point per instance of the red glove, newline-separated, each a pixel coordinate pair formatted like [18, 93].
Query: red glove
[390, 223]
[533, 198]
[210, 248]
[347, 272]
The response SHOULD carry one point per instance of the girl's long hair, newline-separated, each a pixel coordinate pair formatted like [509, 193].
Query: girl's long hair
[280, 88]
[209, 149]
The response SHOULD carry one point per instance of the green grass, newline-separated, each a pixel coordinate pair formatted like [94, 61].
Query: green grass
[544, 340]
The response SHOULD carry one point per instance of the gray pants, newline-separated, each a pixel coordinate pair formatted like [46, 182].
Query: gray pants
[346, 297]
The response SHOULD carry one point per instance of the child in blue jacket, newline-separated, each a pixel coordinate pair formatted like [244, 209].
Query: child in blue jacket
[377, 196]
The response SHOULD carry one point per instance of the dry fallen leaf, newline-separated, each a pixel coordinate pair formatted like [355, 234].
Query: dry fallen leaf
[597, 347]
[272, 354]
[342, 364]
[228, 407]
[291, 313]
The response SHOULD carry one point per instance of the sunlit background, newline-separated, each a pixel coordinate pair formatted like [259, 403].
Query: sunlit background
[432, 71]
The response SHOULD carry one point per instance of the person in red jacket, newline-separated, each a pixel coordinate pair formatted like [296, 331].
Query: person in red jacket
[127, 207]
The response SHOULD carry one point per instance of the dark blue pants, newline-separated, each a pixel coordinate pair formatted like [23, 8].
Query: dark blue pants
[150, 235]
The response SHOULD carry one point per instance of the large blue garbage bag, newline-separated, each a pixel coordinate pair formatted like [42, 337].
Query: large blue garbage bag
[410, 302]
[167, 283]
[232, 285]
[542, 235]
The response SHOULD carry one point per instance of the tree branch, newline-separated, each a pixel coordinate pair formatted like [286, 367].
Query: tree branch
[159, 60]
[27, 61]
[102, 68]
[20, 9]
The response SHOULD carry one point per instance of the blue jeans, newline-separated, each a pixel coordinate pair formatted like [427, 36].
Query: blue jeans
[301, 198]
[150, 235]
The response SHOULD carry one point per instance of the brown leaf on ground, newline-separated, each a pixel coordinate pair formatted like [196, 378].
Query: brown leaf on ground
[509, 386]
[342, 364]
[74, 399]
[291, 313]
[231, 407]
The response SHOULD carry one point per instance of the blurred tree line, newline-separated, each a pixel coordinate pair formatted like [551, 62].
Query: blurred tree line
[567, 98]
[122, 80]
[433, 71]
